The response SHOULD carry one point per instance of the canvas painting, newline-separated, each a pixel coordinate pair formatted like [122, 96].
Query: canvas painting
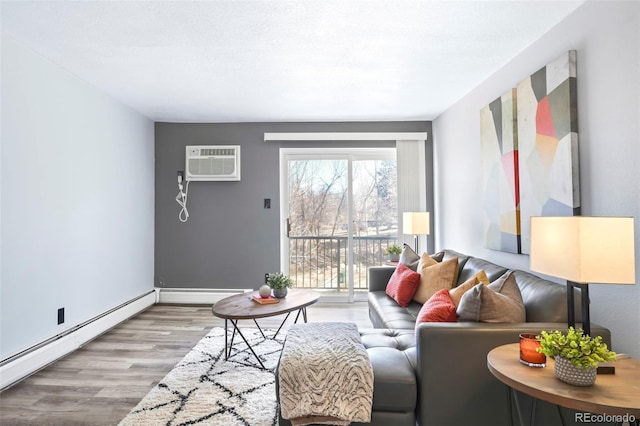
[547, 125]
[499, 151]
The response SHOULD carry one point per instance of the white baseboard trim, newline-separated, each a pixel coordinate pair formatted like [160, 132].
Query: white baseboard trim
[195, 296]
[34, 360]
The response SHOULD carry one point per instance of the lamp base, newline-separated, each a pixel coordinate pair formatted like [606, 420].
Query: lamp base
[571, 313]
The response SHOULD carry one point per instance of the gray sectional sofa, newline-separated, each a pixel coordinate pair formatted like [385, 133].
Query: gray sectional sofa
[435, 374]
[454, 385]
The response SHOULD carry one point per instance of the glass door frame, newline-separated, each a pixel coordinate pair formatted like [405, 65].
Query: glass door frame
[315, 153]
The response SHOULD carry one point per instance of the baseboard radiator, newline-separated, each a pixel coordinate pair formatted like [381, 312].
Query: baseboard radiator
[33, 359]
[39, 356]
[195, 296]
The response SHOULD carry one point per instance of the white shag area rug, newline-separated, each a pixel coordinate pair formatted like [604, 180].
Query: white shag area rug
[204, 389]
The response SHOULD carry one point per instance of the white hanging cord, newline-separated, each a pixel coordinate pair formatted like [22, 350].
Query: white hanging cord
[181, 199]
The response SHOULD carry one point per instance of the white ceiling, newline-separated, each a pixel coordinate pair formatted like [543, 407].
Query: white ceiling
[276, 60]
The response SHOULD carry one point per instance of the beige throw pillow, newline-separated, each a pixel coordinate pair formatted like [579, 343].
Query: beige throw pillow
[435, 276]
[456, 293]
[498, 302]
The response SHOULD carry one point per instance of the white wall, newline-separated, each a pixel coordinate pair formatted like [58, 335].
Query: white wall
[77, 200]
[606, 36]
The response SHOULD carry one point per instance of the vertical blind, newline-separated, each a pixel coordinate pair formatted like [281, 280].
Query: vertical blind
[412, 183]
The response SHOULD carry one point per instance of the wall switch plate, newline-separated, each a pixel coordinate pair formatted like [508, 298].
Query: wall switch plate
[60, 316]
[267, 203]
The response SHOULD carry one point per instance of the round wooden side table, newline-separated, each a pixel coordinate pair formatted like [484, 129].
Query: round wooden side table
[613, 394]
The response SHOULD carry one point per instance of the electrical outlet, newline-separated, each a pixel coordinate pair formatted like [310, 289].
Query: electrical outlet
[266, 278]
[267, 203]
[60, 316]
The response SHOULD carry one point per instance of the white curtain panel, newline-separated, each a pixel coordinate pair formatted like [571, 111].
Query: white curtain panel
[412, 184]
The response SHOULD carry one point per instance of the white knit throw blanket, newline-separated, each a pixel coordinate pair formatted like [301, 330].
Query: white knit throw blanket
[325, 376]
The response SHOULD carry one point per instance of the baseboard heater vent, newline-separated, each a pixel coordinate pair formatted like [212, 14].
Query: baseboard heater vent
[28, 361]
[195, 296]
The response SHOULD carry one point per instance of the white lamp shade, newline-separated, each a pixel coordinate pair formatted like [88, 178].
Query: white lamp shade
[415, 223]
[584, 249]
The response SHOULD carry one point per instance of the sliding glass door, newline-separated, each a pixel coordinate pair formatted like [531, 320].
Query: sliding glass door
[339, 210]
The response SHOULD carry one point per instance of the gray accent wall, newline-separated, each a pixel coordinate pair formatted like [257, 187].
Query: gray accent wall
[230, 241]
[606, 36]
[77, 201]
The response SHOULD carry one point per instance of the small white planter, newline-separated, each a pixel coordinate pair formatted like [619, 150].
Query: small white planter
[573, 375]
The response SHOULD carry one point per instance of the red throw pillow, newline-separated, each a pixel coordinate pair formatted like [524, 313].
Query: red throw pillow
[439, 308]
[403, 285]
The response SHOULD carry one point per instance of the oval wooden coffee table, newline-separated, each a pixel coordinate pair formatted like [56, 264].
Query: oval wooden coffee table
[241, 307]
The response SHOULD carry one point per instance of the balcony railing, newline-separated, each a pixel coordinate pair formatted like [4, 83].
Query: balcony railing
[320, 262]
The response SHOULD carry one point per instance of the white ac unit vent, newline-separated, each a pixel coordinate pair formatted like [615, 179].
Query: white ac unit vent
[212, 162]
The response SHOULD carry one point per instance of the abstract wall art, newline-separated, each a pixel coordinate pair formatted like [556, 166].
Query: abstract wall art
[529, 153]
[499, 152]
[547, 124]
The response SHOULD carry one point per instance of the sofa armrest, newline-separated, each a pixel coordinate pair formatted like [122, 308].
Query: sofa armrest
[452, 370]
[379, 277]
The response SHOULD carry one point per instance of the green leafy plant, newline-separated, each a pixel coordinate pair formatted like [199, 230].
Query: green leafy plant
[279, 280]
[580, 349]
[394, 249]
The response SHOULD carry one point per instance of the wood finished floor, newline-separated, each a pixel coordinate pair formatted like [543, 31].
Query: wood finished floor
[101, 382]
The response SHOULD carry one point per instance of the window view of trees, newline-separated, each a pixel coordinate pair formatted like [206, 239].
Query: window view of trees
[319, 216]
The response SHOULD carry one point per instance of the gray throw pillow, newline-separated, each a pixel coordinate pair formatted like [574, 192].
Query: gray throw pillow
[498, 302]
[410, 258]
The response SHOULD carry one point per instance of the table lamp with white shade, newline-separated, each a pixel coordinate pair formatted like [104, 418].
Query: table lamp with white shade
[415, 223]
[583, 250]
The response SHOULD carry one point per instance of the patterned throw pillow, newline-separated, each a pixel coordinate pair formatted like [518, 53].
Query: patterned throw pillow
[402, 285]
[439, 308]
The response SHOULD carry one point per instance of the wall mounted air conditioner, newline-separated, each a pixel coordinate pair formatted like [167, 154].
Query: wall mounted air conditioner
[212, 162]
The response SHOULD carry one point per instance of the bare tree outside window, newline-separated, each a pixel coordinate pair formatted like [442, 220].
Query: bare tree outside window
[318, 214]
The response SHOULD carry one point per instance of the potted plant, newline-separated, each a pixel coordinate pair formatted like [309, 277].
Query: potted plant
[576, 355]
[394, 252]
[279, 283]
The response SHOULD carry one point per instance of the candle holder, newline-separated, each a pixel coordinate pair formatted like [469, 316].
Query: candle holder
[529, 355]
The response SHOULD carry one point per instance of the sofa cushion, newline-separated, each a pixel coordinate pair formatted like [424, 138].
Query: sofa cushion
[434, 277]
[439, 308]
[392, 355]
[474, 264]
[384, 312]
[402, 285]
[499, 302]
[457, 292]
[545, 300]
[401, 340]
